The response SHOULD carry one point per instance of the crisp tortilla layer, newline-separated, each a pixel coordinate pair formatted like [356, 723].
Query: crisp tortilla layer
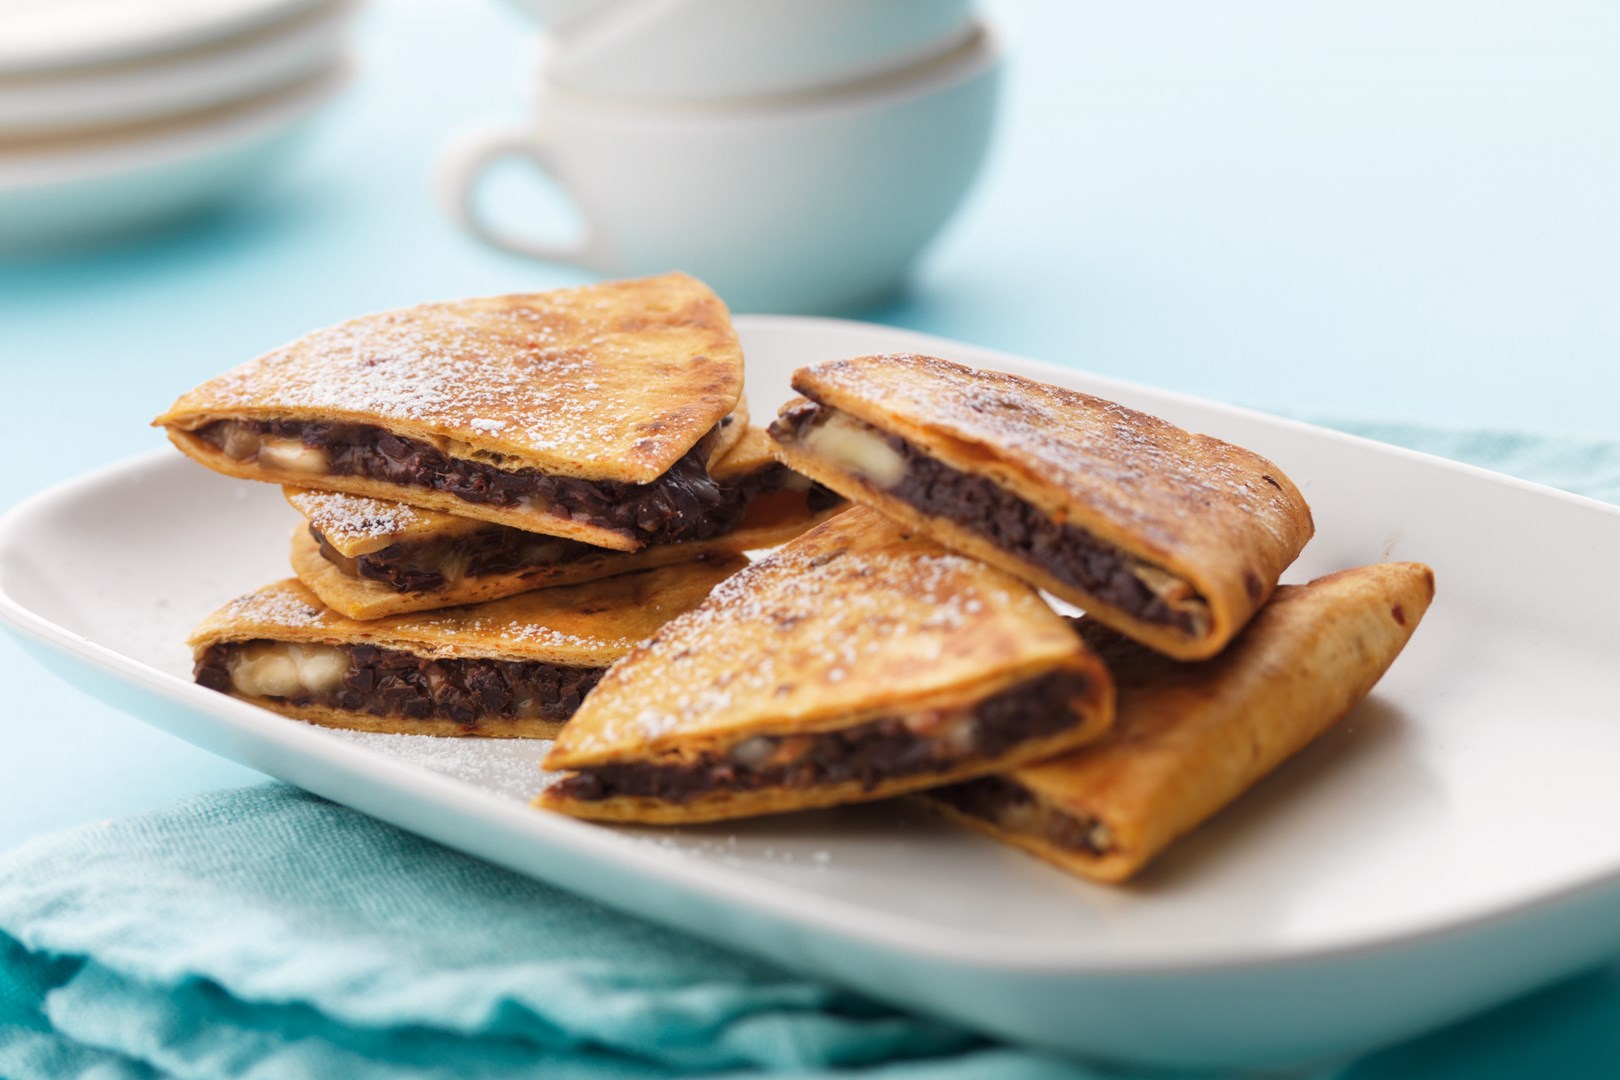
[1216, 516]
[1190, 738]
[604, 382]
[854, 620]
[589, 625]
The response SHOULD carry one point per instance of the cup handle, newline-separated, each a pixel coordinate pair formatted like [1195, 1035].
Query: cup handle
[465, 163]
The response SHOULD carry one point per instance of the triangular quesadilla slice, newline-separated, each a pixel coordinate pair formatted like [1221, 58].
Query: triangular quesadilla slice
[854, 663]
[516, 668]
[368, 558]
[1190, 738]
[586, 413]
[1172, 538]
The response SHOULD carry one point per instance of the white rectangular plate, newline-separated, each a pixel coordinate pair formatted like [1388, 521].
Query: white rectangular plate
[1452, 843]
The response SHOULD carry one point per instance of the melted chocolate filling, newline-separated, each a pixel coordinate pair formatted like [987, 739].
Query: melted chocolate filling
[877, 750]
[1070, 554]
[998, 800]
[500, 549]
[394, 683]
[418, 567]
[684, 504]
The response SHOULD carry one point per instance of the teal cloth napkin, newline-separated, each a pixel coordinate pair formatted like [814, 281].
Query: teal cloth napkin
[267, 933]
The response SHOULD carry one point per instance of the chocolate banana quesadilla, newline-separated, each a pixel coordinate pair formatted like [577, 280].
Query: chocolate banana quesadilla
[588, 413]
[1190, 738]
[513, 668]
[854, 663]
[368, 558]
[1170, 537]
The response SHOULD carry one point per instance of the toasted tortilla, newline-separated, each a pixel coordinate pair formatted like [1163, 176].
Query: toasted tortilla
[582, 626]
[610, 382]
[855, 622]
[356, 527]
[729, 433]
[1190, 738]
[1208, 527]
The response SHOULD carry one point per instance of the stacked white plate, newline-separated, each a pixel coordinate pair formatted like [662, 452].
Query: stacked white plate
[117, 115]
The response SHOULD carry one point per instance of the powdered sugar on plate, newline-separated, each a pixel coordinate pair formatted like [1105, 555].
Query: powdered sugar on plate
[510, 767]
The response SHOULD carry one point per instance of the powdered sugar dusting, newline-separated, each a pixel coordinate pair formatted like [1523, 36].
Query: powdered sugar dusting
[849, 612]
[1143, 473]
[457, 370]
[507, 622]
[548, 638]
[508, 766]
[356, 515]
[583, 376]
[274, 606]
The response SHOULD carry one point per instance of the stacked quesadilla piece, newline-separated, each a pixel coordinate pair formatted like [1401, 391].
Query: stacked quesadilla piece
[588, 413]
[1190, 738]
[498, 498]
[370, 558]
[517, 667]
[857, 662]
[840, 669]
[1172, 543]
[525, 516]
[1172, 538]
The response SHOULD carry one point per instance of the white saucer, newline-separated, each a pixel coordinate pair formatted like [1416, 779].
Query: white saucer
[49, 35]
[194, 79]
[86, 189]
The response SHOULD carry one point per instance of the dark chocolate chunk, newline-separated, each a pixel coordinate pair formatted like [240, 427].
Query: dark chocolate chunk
[993, 798]
[501, 549]
[869, 753]
[392, 682]
[683, 504]
[1070, 554]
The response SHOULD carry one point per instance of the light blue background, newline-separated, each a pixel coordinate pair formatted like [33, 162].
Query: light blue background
[1359, 210]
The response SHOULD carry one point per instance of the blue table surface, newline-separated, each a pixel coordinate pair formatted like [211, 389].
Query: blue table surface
[1369, 210]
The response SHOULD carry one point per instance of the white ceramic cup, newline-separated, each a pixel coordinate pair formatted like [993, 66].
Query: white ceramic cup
[813, 205]
[712, 50]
